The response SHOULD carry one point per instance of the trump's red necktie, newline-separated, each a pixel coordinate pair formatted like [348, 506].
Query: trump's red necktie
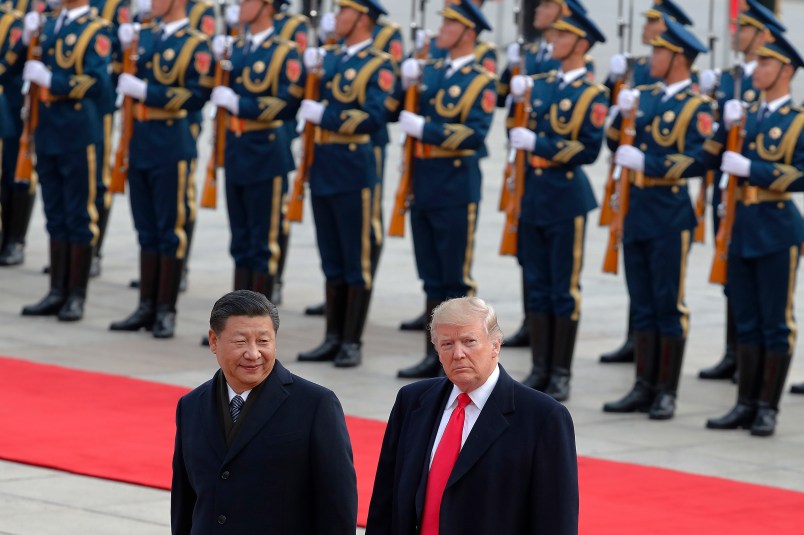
[443, 461]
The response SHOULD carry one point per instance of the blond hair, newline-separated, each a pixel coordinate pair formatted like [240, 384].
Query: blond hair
[464, 311]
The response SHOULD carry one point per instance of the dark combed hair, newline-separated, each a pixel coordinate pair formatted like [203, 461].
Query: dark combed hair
[242, 303]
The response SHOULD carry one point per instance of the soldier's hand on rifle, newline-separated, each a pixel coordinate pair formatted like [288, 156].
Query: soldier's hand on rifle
[232, 15]
[422, 39]
[707, 81]
[411, 72]
[126, 34]
[131, 86]
[220, 44]
[311, 111]
[327, 26]
[30, 26]
[224, 97]
[522, 138]
[735, 164]
[627, 100]
[520, 85]
[313, 57]
[733, 111]
[630, 157]
[618, 66]
[36, 72]
[411, 124]
[513, 53]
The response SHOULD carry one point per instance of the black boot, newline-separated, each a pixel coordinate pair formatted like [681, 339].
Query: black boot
[170, 275]
[797, 388]
[59, 271]
[242, 279]
[316, 310]
[335, 305]
[103, 223]
[565, 333]
[145, 314]
[640, 398]
[540, 326]
[521, 338]
[773, 378]
[671, 356]
[742, 415]
[727, 366]
[22, 201]
[415, 324]
[262, 283]
[624, 353]
[357, 305]
[430, 365]
[80, 261]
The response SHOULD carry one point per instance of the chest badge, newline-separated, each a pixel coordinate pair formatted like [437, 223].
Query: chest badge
[70, 39]
[669, 116]
[775, 132]
[454, 91]
[350, 74]
[565, 104]
[750, 95]
[169, 54]
[259, 67]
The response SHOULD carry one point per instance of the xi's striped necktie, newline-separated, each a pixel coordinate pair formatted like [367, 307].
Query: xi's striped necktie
[234, 407]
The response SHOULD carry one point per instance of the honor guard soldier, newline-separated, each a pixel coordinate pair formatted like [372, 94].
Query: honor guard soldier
[75, 62]
[641, 72]
[565, 131]
[456, 106]
[265, 89]
[16, 198]
[766, 237]
[674, 126]
[752, 24]
[355, 85]
[173, 79]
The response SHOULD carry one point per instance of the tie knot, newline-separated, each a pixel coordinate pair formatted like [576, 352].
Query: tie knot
[463, 400]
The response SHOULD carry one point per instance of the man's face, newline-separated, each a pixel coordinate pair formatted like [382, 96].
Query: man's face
[346, 20]
[160, 7]
[563, 44]
[449, 34]
[660, 62]
[766, 73]
[546, 14]
[245, 350]
[746, 39]
[467, 354]
[653, 28]
[249, 10]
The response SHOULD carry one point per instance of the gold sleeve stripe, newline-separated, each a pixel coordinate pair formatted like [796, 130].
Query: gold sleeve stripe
[789, 175]
[457, 134]
[272, 106]
[566, 154]
[712, 147]
[680, 163]
[352, 119]
[296, 91]
[179, 96]
[81, 85]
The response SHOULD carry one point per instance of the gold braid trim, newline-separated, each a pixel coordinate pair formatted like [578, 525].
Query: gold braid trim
[573, 127]
[76, 58]
[789, 175]
[358, 88]
[678, 134]
[179, 69]
[271, 77]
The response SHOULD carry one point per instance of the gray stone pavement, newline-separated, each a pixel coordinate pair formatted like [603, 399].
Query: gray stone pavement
[39, 501]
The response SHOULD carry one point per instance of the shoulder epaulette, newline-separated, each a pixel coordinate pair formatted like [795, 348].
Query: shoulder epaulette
[201, 36]
[479, 69]
[648, 87]
[543, 75]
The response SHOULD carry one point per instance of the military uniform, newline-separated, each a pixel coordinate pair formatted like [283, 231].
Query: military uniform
[16, 199]
[355, 86]
[764, 250]
[673, 135]
[269, 82]
[176, 67]
[567, 117]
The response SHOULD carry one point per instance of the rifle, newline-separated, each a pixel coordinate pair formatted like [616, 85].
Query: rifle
[121, 155]
[311, 92]
[709, 178]
[404, 191]
[606, 211]
[728, 203]
[30, 116]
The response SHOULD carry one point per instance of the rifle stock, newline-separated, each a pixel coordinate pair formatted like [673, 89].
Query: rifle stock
[508, 243]
[700, 207]
[508, 171]
[606, 212]
[121, 155]
[209, 195]
[396, 227]
[296, 202]
[717, 274]
[24, 170]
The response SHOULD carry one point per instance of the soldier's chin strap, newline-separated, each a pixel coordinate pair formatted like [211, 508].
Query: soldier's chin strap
[776, 78]
[458, 40]
[669, 66]
[354, 25]
[750, 47]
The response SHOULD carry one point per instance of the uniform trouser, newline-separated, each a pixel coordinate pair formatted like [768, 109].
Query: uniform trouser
[443, 243]
[255, 221]
[343, 233]
[103, 197]
[159, 207]
[655, 270]
[552, 258]
[761, 294]
[69, 184]
[377, 232]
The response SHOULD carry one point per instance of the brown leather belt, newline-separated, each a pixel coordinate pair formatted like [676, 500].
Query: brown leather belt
[749, 195]
[239, 126]
[328, 137]
[426, 151]
[641, 181]
[147, 113]
[538, 162]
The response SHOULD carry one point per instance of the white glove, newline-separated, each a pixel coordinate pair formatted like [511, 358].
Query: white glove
[707, 81]
[421, 38]
[220, 44]
[627, 99]
[126, 34]
[618, 64]
[313, 57]
[520, 85]
[732, 112]
[30, 26]
[225, 97]
[522, 138]
[232, 15]
[411, 124]
[513, 54]
[143, 7]
[735, 164]
[36, 72]
[311, 111]
[630, 157]
[327, 25]
[132, 86]
[411, 72]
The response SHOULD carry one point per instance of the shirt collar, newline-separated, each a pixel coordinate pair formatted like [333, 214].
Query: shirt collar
[748, 68]
[232, 393]
[571, 76]
[479, 395]
[172, 27]
[672, 89]
[774, 105]
[74, 13]
[458, 63]
[354, 49]
[257, 39]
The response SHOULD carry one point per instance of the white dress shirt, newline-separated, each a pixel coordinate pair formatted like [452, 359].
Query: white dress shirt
[671, 90]
[232, 394]
[172, 27]
[456, 64]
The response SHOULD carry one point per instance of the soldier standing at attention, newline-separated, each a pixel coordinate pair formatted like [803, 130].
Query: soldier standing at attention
[356, 83]
[74, 68]
[173, 79]
[456, 106]
[766, 237]
[674, 127]
[565, 131]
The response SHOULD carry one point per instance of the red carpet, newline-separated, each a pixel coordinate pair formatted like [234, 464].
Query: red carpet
[122, 429]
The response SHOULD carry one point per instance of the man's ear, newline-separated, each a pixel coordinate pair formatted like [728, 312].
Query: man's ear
[213, 341]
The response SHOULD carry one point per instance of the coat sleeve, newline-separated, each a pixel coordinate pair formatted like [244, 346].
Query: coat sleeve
[335, 485]
[182, 495]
